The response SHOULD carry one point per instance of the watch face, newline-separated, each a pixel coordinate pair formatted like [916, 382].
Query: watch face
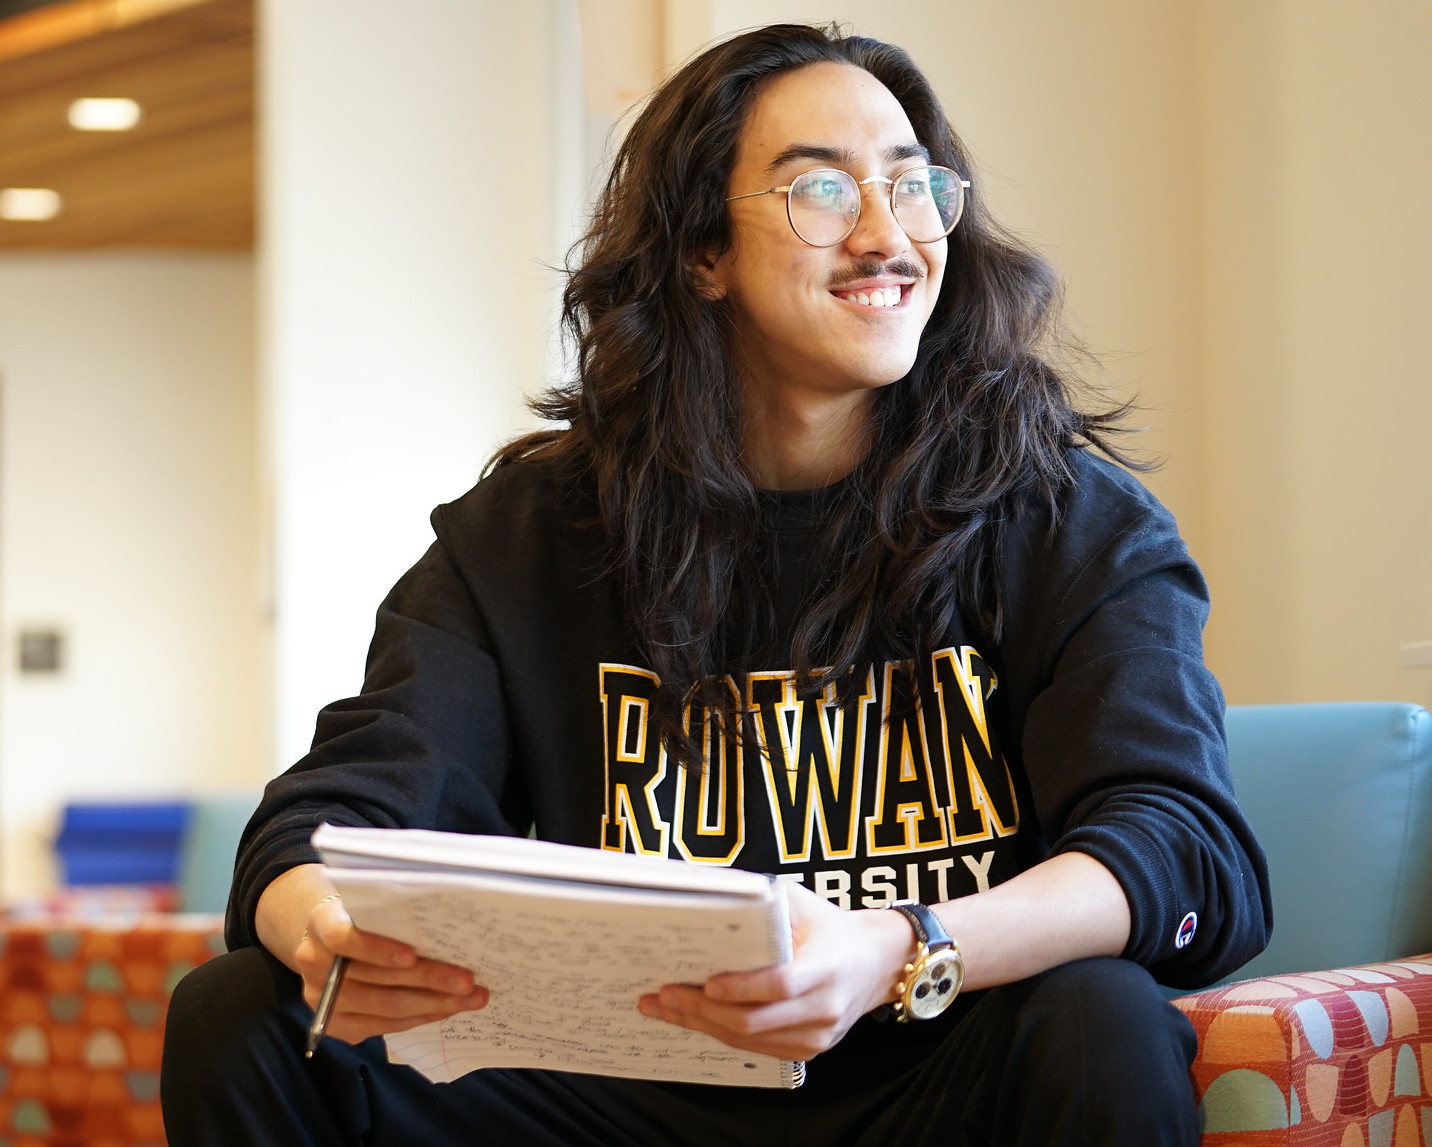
[936, 983]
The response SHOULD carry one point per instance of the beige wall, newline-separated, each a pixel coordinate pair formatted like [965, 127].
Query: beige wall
[1315, 164]
[1237, 195]
[129, 521]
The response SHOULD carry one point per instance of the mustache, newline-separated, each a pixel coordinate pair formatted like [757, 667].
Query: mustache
[870, 268]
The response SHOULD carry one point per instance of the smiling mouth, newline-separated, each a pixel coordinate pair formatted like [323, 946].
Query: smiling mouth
[874, 297]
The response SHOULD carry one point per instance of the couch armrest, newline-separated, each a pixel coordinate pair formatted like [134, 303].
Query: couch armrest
[1339, 1057]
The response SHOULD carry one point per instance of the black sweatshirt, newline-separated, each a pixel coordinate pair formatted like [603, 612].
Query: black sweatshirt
[502, 692]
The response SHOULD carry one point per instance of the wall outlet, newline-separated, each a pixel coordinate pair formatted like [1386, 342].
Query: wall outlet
[41, 651]
[1415, 654]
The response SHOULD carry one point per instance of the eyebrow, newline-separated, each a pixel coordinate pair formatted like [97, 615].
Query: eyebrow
[843, 157]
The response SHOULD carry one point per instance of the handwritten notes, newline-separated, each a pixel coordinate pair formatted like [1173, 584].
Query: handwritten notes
[565, 962]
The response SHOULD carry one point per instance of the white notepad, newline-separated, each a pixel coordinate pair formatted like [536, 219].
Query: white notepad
[565, 940]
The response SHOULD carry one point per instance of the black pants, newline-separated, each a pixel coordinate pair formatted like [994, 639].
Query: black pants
[1089, 1053]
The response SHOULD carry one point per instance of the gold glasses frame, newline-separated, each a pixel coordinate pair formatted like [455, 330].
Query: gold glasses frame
[860, 209]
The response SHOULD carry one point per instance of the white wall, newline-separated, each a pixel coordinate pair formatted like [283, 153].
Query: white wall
[129, 521]
[421, 167]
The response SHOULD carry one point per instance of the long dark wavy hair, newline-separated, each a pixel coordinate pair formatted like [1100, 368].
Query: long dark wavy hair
[977, 431]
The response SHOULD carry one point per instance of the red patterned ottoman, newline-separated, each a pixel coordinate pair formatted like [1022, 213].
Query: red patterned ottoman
[1320, 1059]
[82, 1009]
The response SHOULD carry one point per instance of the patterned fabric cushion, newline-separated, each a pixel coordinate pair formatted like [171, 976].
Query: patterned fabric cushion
[1320, 1059]
[82, 1009]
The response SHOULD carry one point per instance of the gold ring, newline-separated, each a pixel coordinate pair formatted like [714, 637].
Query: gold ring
[325, 900]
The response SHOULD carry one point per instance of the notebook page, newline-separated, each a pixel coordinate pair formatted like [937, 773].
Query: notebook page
[564, 971]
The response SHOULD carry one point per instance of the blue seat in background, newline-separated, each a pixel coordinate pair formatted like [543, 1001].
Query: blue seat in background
[206, 866]
[122, 842]
[186, 845]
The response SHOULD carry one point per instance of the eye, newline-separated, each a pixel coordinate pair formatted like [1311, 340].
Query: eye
[913, 185]
[820, 190]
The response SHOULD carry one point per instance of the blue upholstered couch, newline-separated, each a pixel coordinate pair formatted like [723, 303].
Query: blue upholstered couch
[1341, 798]
[1325, 1040]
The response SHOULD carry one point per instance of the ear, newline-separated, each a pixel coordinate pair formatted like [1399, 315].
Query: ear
[704, 268]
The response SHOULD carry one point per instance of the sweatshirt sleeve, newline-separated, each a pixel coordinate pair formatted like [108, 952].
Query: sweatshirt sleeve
[1122, 724]
[425, 744]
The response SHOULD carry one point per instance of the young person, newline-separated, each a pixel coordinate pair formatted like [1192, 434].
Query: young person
[822, 578]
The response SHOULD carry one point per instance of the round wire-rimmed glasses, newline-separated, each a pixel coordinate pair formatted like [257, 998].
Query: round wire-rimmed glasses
[823, 205]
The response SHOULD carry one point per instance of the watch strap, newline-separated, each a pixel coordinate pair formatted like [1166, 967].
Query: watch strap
[928, 929]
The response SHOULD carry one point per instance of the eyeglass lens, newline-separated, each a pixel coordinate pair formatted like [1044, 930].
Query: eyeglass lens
[824, 204]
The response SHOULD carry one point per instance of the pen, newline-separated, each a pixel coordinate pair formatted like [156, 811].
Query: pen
[326, 1001]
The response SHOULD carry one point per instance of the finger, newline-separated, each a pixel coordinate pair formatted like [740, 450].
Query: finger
[447, 979]
[355, 1028]
[807, 911]
[680, 1005]
[801, 902]
[802, 1042]
[766, 985]
[399, 1003]
[434, 981]
[429, 977]
[330, 926]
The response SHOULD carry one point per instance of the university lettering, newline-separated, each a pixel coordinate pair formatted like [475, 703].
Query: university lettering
[873, 779]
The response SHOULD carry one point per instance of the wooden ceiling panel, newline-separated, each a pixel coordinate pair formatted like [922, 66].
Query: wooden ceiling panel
[204, 202]
[185, 104]
[128, 48]
[184, 177]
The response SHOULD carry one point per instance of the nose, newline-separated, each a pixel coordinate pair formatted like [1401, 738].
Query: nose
[877, 231]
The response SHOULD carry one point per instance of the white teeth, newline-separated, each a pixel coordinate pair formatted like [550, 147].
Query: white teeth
[880, 297]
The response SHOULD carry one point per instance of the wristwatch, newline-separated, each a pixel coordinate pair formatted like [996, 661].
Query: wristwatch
[932, 980]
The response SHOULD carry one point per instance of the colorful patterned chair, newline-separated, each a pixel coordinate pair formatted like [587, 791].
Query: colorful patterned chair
[82, 1010]
[85, 980]
[1341, 797]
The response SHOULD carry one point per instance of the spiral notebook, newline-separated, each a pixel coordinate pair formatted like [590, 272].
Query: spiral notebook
[565, 939]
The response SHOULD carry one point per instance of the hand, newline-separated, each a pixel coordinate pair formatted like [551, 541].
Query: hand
[387, 988]
[844, 964]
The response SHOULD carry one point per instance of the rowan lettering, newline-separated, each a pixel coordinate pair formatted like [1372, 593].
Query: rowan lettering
[938, 779]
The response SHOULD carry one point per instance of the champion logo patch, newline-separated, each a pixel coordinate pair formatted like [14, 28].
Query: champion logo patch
[1186, 928]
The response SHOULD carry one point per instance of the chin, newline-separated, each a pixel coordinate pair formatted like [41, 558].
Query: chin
[888, 369]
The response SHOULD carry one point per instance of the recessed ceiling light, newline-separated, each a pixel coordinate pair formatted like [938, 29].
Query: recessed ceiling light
[33, 203]
[93, 114]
